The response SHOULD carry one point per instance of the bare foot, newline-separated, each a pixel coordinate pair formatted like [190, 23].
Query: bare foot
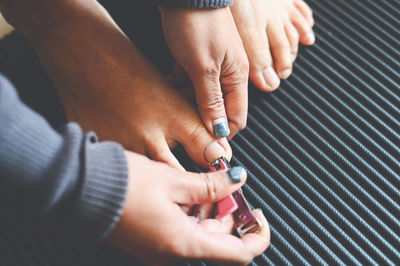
[271, 31]
[107, 86]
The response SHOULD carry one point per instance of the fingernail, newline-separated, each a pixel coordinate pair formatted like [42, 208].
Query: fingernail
[271, 78]
[311, 37]
[236, 174]
[213, 151]
[285, 73]
[221, 129]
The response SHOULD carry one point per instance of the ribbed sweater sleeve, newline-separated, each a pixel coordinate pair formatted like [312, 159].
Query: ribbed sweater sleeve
[65, 180]
[194, 3]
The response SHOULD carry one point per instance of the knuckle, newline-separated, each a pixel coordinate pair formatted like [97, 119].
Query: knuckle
[209, 70]
[210, 188]
[215, 101]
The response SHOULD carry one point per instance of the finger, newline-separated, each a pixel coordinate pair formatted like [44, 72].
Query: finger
[187, 208]
[158, 150]
[222, 247]
[306, 35]
[203, 211]
[227, 224]
[234, 82]
[252, 240]
[210, 99]
[305, 10]
[212, 225]
[200, 145]
[194, 188]
[280, 50]
[226, 248]
[293, 37]
[224, 225]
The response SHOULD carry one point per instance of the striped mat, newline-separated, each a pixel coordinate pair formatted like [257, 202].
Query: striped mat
[322, 151]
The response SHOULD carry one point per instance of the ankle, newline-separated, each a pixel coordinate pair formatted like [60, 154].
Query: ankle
[42, 15]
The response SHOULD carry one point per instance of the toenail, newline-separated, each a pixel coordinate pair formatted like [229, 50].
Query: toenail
[285, 73]
[213, 151]
[271, 78]
[311, 37]
[293, 57]
[221, 129]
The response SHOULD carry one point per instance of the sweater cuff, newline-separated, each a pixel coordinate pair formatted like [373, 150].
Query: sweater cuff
[194, 3]
[103, 188]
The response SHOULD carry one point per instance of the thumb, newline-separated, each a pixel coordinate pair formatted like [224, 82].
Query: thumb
[194, 188]
[210, 101]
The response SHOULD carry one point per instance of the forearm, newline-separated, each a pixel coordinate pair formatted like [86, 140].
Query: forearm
[64, 177]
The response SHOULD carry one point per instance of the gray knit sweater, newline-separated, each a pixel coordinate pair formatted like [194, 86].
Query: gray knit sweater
[64, 176]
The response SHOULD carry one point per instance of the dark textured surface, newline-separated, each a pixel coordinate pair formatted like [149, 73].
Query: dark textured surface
[322, 152]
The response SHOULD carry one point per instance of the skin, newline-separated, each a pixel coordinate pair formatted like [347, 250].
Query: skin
[105, 84]
[271, 31]
[154, 229]
[110, 88]
[207, 46]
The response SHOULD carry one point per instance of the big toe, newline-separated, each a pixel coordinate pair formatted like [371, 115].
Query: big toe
[200, 145]
[262, 74]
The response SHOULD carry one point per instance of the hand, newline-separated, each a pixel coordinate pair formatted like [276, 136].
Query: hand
[154, 229]
[206, 44]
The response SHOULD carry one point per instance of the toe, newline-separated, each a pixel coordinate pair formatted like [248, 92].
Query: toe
[305, 10]
[157, 149]
[262, 74]
[280, 47]
[306, 35]
[200, 145]
[293, 37]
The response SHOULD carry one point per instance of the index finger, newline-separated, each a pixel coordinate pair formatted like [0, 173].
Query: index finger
[226, 248]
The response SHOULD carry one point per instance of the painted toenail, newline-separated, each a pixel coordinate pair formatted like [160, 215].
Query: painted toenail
[285, 73]
[214, 151]
[271, 78]
[221, 129]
